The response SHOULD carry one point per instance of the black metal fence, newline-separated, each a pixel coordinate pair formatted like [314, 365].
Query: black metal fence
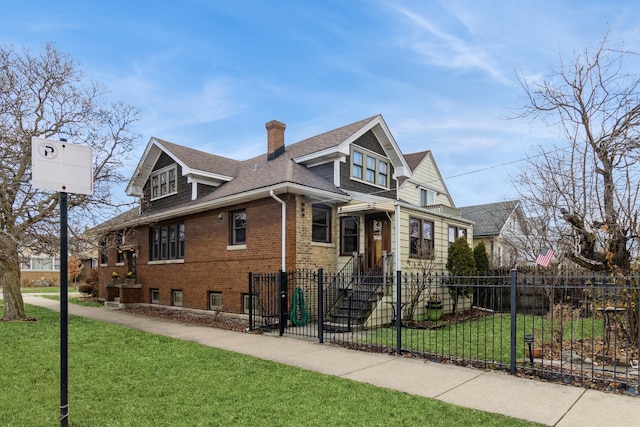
[580, 329]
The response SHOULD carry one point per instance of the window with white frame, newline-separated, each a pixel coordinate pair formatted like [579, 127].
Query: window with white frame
[383, 173]
[369, 167]
[357, 164]
[245, 304]
[427, 197]
[155, 296]
[215, 300]
[176, 298]
[163, 182]
[40, 263]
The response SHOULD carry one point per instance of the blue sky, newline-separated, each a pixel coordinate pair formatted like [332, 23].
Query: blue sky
[210, 74]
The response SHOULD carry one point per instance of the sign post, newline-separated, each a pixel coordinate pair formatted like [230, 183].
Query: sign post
[62, 167]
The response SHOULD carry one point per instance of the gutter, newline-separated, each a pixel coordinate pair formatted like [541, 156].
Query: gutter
[196, 206]
[284, 229]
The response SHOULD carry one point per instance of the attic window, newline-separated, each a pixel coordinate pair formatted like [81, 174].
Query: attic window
[163, 182]
[427, 197]
[369, 167]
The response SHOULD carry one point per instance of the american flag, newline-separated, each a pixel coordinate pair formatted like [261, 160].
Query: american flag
[544, 257]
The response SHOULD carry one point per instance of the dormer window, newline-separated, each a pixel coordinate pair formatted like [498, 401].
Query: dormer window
[427, 197]
[369, 167]
[163, 182]
[356, 170]
[382, 174]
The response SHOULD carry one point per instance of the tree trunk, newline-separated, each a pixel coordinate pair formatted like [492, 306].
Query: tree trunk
[13, 303]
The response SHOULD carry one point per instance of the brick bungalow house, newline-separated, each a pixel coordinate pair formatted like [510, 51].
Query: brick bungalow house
[204, 221]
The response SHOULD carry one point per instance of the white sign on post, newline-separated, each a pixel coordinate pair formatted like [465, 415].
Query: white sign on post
[60, 166]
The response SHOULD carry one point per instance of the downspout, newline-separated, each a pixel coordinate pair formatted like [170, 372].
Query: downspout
[398, 264]
[284, 229]
[397, 214]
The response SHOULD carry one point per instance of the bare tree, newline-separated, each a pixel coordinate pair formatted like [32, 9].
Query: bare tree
[422, 285]
[586, 188]
[45, 95]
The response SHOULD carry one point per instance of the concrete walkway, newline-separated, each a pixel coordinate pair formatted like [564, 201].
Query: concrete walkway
[495, 392]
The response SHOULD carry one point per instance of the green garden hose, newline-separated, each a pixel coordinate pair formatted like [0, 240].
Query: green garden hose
[299, 315]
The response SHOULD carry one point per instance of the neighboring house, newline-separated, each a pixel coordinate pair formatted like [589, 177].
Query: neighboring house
[44, 270]
[205, 222]
[501, 226]
[39, 269]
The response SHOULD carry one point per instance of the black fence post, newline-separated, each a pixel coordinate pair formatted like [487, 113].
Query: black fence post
[282, 284]
[320, 307]
[250, 301]
[350, 312]
[398, 312]
[512, 358]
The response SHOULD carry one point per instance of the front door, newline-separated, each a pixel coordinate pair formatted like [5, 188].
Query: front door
[378, 237]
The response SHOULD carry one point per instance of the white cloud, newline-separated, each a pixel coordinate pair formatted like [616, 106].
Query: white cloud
[446, 50]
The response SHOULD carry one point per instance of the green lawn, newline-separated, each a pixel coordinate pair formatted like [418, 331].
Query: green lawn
[123, 377]
[75, 300]
[486, 338]
[48, 290]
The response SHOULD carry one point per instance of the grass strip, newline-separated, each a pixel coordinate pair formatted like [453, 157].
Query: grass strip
[123, 377]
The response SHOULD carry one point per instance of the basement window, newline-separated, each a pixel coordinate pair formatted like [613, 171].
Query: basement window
[176, 298]
[215, 300]
[245, 304]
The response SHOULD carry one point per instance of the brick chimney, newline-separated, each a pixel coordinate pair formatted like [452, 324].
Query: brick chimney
[275, 139]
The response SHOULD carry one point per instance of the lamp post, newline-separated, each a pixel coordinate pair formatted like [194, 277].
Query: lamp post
[528, 339]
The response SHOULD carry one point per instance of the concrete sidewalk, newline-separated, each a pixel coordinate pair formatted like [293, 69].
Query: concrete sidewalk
[500, 393]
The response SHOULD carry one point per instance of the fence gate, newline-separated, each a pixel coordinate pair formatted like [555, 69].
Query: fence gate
[284, 303]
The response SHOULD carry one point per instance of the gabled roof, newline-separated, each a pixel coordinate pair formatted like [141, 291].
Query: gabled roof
[414, 159]
[236, 181]
[490, 218]
[328, 141]
[335, 144]
[194, 164]
[258, 172]
[201, 161]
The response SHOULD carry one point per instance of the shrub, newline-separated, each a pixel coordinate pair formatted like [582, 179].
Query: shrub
[90, 288]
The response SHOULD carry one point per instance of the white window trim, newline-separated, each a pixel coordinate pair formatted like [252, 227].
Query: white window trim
[378, 158]
[166, 261]
[173, 297]
[215, 307]
[159, 172]
[427, 190]
[156, 301]
[246, 302]
[237, 247]
[323, 244]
